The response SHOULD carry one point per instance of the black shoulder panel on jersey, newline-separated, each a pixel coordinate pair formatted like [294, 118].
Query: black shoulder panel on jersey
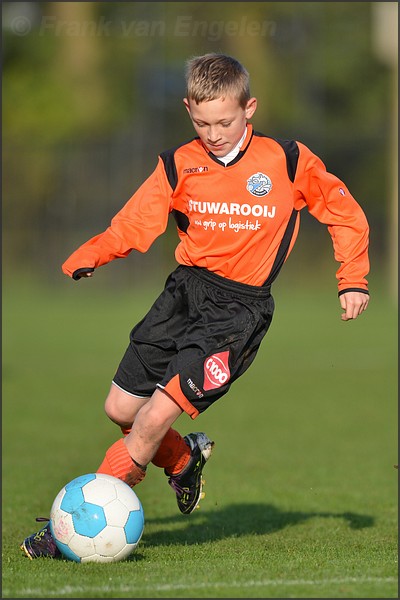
[168, 158]
[291, 151]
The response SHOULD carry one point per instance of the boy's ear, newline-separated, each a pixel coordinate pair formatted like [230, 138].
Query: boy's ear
[251, 108]
[187, 105]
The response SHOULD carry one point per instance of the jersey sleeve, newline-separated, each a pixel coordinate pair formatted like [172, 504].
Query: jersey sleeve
[135, 227]
[328, 200]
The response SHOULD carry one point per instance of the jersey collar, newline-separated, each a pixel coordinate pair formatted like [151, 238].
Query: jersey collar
[243, 148]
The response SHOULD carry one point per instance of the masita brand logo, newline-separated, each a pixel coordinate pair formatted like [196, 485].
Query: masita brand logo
[259, 185]
[195, 170]
[216, 371]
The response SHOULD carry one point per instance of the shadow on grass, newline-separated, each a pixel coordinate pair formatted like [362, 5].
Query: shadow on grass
[236, 520]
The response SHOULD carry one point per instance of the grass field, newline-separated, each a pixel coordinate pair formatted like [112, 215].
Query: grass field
[301, 491]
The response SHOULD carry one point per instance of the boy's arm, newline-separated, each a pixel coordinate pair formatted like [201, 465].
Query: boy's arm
[328, 200]
[135, 227]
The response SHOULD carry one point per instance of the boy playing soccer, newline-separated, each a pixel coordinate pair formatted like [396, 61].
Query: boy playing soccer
[236, 196]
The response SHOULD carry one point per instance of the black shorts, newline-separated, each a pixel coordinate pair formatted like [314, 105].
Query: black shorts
[200, 335]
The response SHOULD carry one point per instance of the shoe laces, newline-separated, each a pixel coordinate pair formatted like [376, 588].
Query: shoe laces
[175, 485]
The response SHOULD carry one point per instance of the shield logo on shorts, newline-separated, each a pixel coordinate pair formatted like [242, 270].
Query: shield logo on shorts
[216, 371]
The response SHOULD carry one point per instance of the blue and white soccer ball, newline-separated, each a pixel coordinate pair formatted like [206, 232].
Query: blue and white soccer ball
[96, 518]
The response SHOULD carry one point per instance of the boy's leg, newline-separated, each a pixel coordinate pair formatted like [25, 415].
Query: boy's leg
[150, 427]
[128, 457]
[147, 433]
[173, 453]
[184, 466]
[151, 439]
[122, 407]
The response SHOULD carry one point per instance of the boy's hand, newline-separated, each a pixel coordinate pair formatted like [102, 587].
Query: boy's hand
[353, 304]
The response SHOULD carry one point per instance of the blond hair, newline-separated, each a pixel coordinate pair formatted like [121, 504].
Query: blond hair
[215, 76]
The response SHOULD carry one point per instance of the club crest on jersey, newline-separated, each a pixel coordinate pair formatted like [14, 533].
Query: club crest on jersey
[259, 185]
[216, 371]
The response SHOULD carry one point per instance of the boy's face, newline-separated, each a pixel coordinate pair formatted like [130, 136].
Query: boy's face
[220, 123]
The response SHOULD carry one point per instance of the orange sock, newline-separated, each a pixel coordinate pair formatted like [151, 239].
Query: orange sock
[173, 453]
[126, 430]
[119, 463]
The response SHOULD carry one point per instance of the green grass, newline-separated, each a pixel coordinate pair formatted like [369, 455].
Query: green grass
[301, 492]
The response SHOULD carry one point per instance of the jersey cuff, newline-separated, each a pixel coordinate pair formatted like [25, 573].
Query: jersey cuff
[78, 273]
[353, 290]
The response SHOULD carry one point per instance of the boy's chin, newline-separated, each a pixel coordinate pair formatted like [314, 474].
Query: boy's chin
[218, 151]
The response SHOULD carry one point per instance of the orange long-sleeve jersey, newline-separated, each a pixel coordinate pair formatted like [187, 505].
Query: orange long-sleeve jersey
[241, 220]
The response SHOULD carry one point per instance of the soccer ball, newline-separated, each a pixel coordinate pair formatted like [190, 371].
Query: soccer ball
[96, 518]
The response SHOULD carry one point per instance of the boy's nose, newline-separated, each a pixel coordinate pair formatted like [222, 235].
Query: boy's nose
[213, 135]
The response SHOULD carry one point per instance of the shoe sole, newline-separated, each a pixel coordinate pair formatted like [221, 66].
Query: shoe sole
[25, 551]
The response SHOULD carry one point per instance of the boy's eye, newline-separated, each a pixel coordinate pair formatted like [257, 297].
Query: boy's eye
[203, 124]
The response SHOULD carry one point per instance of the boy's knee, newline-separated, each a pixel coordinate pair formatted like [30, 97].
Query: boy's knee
[111, 407]
[120, 407]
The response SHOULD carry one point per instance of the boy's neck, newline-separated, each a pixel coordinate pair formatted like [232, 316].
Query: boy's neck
[235, 151]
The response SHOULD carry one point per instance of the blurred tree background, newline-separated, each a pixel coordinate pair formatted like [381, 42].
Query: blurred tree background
[92, 92]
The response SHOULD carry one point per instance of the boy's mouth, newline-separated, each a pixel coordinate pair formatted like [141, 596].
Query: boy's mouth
[216, 147]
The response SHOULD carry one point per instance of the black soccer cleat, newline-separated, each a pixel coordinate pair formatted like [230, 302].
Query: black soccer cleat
[41, 544]
[188, 484]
